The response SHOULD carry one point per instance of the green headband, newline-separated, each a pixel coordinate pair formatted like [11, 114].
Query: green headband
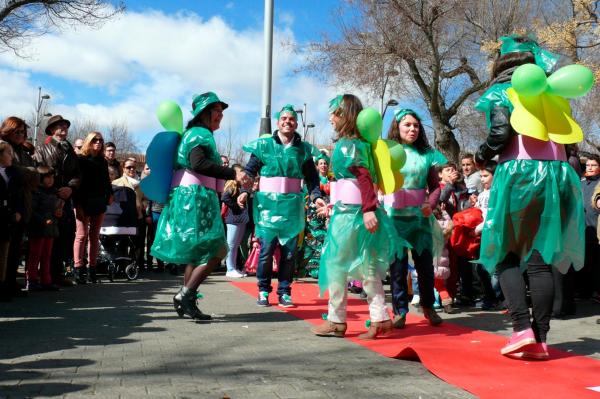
[287, 109]
[401, 113]
[324, 156]
[520, 44]
[201, 101]
[335, 103]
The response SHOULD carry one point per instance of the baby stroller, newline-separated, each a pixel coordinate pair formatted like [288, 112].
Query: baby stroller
[116, 257]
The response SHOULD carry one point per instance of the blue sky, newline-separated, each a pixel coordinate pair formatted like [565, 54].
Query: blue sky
[170, 50]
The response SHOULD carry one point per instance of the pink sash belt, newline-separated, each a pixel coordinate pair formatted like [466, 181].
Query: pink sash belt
[279, 184]
[405, 198]
[345, 191]
[184, 177]
[524, 147]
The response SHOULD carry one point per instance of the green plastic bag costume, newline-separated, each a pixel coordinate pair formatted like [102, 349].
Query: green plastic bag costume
[534, 205]
[422, 233]
[279, 215]
[350, 252]
[190, 229]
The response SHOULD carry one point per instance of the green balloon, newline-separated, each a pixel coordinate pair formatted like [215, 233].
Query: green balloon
[170, 116]
[369, 124]
[529, 80]
[571, 81]
[397, 154]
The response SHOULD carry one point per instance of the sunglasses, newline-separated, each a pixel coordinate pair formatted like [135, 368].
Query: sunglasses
[129, 167]
[97, 140]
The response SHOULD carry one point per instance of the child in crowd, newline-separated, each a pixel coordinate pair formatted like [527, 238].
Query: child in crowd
[43, 228]
[441, 264]
[236, 219]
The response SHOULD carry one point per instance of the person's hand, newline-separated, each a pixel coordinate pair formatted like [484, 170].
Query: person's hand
[598, 203]
[65, 192]
[58, 213]
[426, 210]
[242, 199]
[321, 207]
[48, 222]
[454, 176]
[255, 244]
[111, 199]
[323, 211]
[473, 199]
[149, 219]
[370, 221]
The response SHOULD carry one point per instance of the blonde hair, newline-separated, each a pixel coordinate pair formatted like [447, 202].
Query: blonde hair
[86, 148]
[232, 186]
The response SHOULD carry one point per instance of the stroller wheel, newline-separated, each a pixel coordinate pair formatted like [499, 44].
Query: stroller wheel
[132, 271]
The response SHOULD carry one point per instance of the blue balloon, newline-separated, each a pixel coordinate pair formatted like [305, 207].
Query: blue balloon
[160, 157]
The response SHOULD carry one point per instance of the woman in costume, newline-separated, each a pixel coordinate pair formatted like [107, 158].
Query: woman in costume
[190, 230]
[535, 216]
[359, 243]
[413, 217]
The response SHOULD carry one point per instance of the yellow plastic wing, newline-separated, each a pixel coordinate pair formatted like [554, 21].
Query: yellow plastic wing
[389, 180]
[544, 117]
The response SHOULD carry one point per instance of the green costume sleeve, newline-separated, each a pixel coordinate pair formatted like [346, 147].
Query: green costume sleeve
[494, 96]
[254, 147]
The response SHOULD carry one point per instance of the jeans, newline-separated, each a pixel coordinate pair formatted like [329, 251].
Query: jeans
[399, 283]
[235, 233]
[286, 265]
[541, 286]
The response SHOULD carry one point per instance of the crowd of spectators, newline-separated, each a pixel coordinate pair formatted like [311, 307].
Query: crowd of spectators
[58, 197]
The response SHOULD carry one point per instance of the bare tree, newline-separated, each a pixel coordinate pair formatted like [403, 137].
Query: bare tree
[430, 51]
[81, 127]
[118, 133]
[20, 20]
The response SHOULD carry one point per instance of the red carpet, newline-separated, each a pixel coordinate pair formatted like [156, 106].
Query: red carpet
[467, 358]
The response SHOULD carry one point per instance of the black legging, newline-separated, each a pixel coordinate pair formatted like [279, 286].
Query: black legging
[541, 286]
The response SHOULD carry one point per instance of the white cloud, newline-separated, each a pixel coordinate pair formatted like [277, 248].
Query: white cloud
[143, 58]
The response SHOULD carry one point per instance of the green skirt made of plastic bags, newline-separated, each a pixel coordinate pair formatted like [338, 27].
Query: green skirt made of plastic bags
[278, 215]
[534, 205]
[422, 233]
[190, 229]
[350, 252]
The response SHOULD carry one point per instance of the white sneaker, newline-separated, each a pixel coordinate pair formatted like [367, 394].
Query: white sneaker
[415, 300]
[234, 274]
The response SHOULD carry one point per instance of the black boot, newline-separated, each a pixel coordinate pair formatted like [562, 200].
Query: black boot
[80, 275]
[188, 304]
[177, 304]
[93, 276]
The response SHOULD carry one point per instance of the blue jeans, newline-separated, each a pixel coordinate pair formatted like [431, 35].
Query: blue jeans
[235, 232]
[399, 282]
[286, 265]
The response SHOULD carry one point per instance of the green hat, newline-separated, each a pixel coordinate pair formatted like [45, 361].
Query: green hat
[401, 113]
[287, 109]
[335, 103]
[201, 101]
[322, 155]
[520, 44]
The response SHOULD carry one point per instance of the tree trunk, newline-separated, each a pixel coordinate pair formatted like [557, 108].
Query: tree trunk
[445, 141]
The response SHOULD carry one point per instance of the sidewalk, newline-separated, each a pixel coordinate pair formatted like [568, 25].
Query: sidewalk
[124, 340]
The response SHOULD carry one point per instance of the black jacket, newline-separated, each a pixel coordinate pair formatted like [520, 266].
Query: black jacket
[62, 158]
[11, 200]
[95, 188]
[44, 204]
[499, 137]
[235, 214]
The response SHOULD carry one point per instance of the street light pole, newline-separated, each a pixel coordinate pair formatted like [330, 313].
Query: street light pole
[38, 108]
[386, 78]
[265, 120]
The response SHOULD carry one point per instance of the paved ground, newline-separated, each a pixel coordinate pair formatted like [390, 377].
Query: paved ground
[124, 340]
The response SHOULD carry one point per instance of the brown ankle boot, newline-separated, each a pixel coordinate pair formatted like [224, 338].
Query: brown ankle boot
[330, 329]
[432, 316]
[377, 328]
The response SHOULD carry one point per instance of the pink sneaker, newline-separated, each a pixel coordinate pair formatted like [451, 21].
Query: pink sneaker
[536, 352]
[518, 342]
